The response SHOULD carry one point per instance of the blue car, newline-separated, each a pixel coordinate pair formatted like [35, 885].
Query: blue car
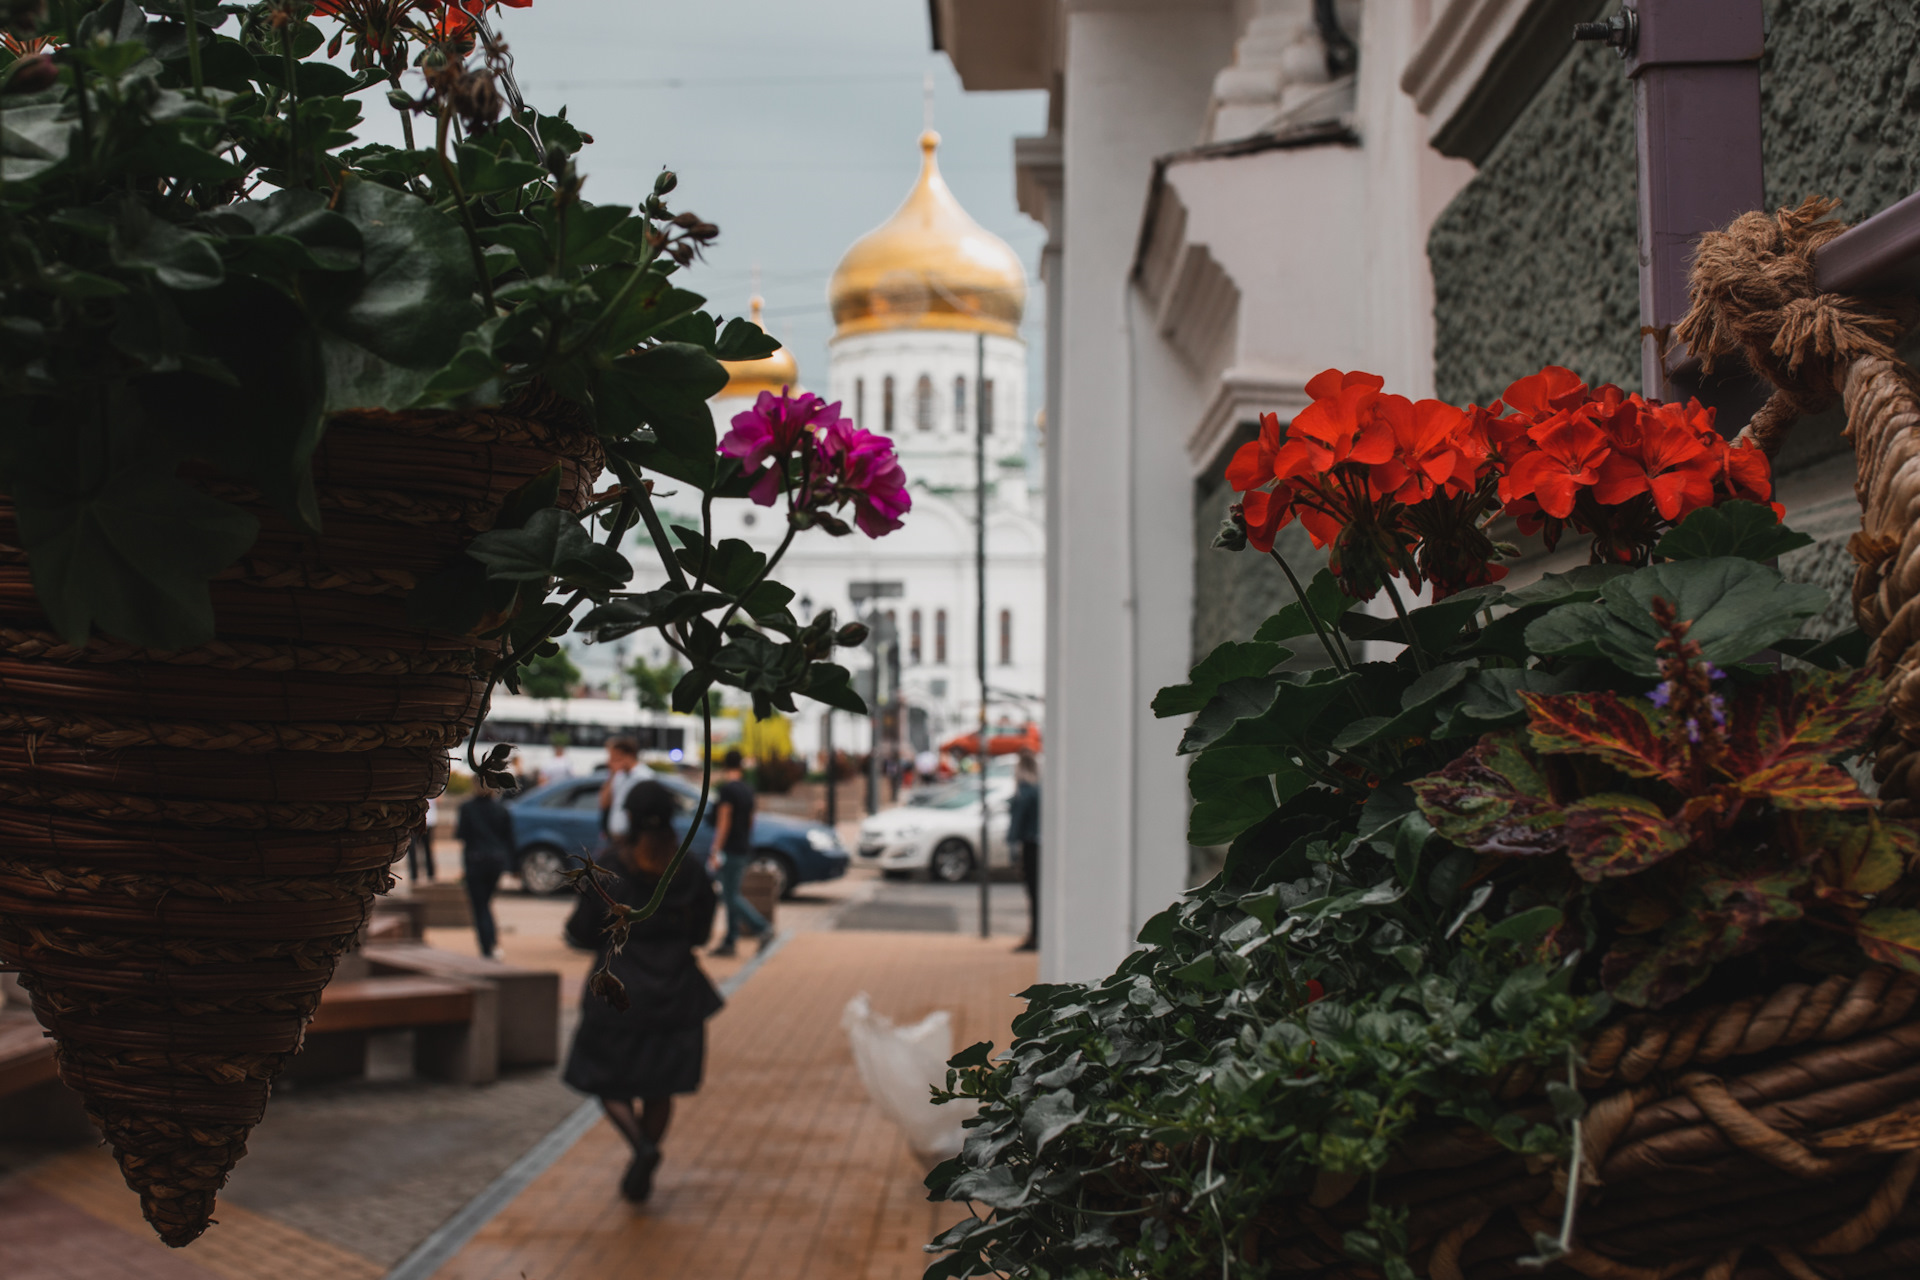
[562, 819]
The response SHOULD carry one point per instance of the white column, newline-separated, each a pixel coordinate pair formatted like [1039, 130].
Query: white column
[1138, 74]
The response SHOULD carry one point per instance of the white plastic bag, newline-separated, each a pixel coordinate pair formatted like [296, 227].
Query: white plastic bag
[900, 1066]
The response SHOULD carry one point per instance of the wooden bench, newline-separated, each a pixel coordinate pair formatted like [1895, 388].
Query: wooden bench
[26, 1054]
[456, 1026]
[34, 1105]
[529, 999]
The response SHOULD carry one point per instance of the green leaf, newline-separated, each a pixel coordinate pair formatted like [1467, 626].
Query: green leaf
[1526, 928]
[832, 684]
[1785, 730]
[666, 387]
[262, 420]
[1438, 626]
[1229, 661]
[551, 545]
[414, 295]
[178, 259]
[1859, 857]
[1737, 609]
[1748, 530]
[1324, 596]
[1234, 807]
[1848, 649]
[132, 558]
[1626, 734]
[1892, 936]
[745, 340]
[291, 231]
[484, 173]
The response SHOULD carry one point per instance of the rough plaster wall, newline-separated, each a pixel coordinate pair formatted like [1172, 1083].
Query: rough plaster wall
[1533, 262]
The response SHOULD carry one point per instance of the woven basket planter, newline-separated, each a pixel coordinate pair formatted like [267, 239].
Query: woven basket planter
[188, 841]
[1776, 1138]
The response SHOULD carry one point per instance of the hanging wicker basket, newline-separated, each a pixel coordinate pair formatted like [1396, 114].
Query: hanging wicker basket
[1775, 1137]
[188, 841]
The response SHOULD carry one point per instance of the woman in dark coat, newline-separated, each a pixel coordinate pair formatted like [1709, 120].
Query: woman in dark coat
[656, 1046]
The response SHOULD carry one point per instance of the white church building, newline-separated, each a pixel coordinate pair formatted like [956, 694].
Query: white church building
[917, 302]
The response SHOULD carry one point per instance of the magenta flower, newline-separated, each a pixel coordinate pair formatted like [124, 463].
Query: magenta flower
[772, 430]
[857, 466]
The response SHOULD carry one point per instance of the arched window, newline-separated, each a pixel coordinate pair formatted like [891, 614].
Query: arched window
[986, 407]
[886, 406]
[940, 637]
[960, 404]
[913, 637]
[859, 401]
[1006, 637]
[923, 403]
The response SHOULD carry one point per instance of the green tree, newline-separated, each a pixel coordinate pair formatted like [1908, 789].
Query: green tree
[652, 685]
[551, 676]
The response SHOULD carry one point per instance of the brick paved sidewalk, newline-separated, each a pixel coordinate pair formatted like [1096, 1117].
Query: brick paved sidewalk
[779, 1166]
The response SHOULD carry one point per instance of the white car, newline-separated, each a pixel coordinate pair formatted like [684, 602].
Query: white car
[938, 831]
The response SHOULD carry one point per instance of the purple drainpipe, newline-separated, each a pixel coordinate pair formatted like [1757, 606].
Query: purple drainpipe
[1695, 67]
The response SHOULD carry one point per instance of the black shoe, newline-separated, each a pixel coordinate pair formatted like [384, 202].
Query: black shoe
[1028, 945]
[765, 940]
[724, 950]
[637, 1185]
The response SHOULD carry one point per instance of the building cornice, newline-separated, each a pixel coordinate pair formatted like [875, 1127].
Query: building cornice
[1482, 62]
[1243, 393]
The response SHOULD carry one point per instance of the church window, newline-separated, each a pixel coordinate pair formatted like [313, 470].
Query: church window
[940, 636]
[959, 404]
[986, 407]
[913, 637]
[859, 401]
[923, 403]
[1006, 637]
[886, 406]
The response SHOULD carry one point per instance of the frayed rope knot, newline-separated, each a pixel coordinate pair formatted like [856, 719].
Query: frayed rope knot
[1755, 294]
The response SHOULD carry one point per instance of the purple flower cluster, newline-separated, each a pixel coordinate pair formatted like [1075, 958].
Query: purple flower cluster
[840, 463]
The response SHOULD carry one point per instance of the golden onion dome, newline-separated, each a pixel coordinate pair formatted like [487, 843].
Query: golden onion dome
[768, 373]
[929, 266]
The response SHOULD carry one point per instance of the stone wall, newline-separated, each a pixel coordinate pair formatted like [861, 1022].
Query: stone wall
[1534, 261]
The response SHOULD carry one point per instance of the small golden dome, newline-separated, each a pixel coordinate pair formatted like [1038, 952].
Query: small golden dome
[769, 373]
[929, 266]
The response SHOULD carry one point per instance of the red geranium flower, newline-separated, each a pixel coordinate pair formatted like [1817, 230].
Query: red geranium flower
[1569, 452]
[1667, 457]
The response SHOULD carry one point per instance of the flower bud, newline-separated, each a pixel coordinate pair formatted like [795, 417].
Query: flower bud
[666, 182]
[854, 633]
[399, 99]
[33, 73]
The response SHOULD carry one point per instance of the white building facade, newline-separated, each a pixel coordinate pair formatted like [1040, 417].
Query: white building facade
[920, 304]
[1237, 195]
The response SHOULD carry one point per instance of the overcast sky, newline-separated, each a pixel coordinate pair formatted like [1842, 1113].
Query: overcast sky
[792, 124]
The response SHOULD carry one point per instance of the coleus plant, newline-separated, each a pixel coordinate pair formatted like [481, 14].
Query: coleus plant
[1622, 784]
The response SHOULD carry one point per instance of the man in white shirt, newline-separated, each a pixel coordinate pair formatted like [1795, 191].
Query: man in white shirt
[558, 769]
[623, 770]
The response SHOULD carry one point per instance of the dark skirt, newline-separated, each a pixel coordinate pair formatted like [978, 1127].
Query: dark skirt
[611, 1058]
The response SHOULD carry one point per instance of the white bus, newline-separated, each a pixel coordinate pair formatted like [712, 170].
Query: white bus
[533, 726]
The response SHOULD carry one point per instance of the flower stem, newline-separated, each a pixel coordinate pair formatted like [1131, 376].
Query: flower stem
[1341, 660]
[699, 815]
[658, 533]
[293, 105]
[1406, 626]
[758, 578]
[466, 214]
[193, 47]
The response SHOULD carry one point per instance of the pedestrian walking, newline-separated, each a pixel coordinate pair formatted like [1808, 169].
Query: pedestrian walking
[1023, 833]
[623, 771]
[732, 852]
[485, 832]
[420, 844]
[656, 1046]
